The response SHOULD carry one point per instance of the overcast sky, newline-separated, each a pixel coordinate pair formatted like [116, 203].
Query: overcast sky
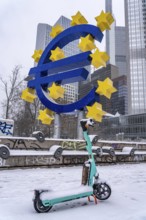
[19, 19]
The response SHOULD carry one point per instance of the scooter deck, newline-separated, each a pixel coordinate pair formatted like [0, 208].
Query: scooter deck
[53, 197]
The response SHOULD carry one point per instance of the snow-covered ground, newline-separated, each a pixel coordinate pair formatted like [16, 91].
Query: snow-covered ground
[127, 202]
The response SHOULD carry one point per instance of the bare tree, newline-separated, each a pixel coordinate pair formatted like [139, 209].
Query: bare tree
[23, 113]
[10, 87]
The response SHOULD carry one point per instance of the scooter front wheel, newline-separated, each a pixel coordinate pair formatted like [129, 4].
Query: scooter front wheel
[39, 207]
[102, 191]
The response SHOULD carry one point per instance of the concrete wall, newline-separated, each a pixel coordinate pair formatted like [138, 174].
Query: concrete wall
[33, 144]
[68, 160]
[15, 143]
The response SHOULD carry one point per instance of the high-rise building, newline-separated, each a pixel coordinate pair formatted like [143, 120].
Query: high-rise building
[116, 43]
[43, 37]
[119, 99]
[120, 50]
[135, 17]
[42, 40]
[110, 35]
[118, 102]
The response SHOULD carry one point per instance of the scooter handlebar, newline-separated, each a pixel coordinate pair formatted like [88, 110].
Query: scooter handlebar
[85, 123]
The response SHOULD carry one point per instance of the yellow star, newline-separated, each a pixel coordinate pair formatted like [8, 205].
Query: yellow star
[37, 54]
[57, 54]
[78, 19]
[56, 30]
[99, 58]
[87, 43]
[46, 116]
[49, 112]
[28, 95]
[104, 20]
[56, 91]
[106, 88]
[95, 112]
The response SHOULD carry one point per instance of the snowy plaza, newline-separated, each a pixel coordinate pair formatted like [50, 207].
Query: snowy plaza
[127, 202]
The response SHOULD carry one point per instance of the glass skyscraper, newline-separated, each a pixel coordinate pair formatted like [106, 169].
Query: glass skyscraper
[110, 35]
[135, 17]
[116, 43]
[120, 50]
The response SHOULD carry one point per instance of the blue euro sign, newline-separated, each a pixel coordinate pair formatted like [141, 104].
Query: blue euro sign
[67, 70]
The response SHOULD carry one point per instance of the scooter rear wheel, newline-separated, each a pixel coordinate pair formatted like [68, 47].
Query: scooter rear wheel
[102, 191]
[39, 207]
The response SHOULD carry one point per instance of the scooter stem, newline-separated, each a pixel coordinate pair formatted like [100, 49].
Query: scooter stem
[93, 170]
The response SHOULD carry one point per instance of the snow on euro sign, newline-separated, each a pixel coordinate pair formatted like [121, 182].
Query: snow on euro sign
[6, 127]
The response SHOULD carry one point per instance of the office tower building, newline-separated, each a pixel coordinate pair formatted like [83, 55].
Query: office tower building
[118, 102]
[110, 35]
[135, 17]
[119, 99]
[42, 40]
[120, 50]
[43, 36]
[116, 43]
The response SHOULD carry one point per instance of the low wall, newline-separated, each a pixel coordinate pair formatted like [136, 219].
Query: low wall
[72, 157]
[29, 143]
[118, 145]
[50, 161]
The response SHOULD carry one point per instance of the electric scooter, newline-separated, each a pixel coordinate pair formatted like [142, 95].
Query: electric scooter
[91, 185]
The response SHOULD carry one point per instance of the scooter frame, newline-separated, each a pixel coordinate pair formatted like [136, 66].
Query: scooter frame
[96, 188]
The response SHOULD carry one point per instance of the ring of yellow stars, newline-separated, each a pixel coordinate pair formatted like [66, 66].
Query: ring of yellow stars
[95, 112]
[57, 54]
[104, 20]
[28, 95]
[46, 116]
[56, 30]
[106, 88]
[56, 91]
[37, 54]
[86, 43]
[99, 58]
[78, 18]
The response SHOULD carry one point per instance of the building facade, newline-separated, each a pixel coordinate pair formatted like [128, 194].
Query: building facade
[118, 102]
[124, 127]
[43, 36]
[116, 43]
[135, 17]
[120, 98]
[110, 35]
[120, 50]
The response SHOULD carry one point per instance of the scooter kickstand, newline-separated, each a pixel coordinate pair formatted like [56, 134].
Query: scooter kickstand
[95, 199]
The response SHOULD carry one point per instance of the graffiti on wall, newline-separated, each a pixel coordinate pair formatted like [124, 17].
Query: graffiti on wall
[23, 144]
[67, 160]
[41, 160]
[6, 127]
[25, 161]
[73, 145]
[33, 144]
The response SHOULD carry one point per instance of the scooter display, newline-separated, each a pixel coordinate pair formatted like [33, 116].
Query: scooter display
[91, 185]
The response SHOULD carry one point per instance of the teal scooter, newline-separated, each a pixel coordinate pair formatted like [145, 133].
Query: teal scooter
[91, 185]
